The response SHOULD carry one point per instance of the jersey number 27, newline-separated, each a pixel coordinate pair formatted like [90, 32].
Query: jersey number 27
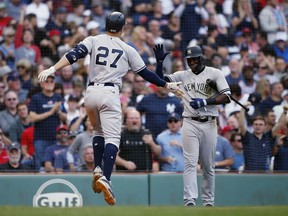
[104, 54]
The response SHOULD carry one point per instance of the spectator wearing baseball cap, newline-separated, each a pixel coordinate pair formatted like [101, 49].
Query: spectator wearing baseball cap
[281, 46]
[14, 83]
[14, 155]
[92, 28]
[171, 157]
[55, 150]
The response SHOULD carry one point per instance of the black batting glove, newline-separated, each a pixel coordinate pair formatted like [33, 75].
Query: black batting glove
[159, 53]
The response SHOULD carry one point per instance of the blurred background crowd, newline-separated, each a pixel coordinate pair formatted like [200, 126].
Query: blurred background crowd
[44, 126]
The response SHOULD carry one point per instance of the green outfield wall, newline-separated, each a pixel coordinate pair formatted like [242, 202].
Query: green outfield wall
[140, 189]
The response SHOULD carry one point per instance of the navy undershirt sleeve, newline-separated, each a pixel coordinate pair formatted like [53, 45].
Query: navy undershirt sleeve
[152, 77]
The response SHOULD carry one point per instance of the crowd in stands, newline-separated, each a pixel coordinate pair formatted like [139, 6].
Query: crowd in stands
[44, 126]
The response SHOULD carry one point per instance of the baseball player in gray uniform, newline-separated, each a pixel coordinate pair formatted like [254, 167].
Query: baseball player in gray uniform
[199, 130]
[111, 58]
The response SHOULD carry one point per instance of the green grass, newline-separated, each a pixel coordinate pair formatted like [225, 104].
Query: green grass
[144, 211]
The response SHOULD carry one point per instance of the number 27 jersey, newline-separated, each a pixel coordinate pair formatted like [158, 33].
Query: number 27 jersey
[111, 58]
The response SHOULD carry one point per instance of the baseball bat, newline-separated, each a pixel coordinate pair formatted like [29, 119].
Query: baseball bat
[213, 85]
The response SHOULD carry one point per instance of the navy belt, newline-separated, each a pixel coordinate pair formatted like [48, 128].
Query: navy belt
[105, 84]
[202, 118]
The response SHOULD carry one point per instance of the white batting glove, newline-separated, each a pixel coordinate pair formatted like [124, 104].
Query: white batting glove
[174, 87]
[45, 73]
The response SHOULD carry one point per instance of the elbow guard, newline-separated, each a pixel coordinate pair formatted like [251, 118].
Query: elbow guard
[78, 52]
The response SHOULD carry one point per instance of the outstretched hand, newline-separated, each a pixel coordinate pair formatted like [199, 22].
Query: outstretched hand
[159, 53]
[174, 87]
[46, 73]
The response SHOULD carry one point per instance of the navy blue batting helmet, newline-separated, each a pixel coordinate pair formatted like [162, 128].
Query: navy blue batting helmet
[193, 52]
[114, 22]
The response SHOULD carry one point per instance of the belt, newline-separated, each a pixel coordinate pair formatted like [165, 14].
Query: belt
[105, 84]
[202, 118]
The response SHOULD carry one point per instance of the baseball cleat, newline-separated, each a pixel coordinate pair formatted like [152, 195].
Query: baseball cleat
[97, 173]
[104, 185]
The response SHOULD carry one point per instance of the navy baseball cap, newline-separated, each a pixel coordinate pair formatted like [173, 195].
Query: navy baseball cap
[73, 98]
[13, 77]
[174, 116]
[13, 146]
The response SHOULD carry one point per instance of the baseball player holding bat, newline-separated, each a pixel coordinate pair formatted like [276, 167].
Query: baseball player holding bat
[199, 130]
[111, 58]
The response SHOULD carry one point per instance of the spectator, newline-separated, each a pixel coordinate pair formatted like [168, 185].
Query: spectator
[280, 46]
[280, 152]
[14, 165]
[72, 111]
[26, 49]
[3, 153]
[137, 147]
[17, 128]
[171, 157]
[9, 115]
[139, 90]
[41, 10]
[157, 107]
[51, 152]
[263, 88]
[14, 84]
[270, 119]
[5, 19]
[99, 14]
[248, 84]
[280, 68]
[236, 92]
[224, 154]
[66, 79]
[238, 159]
[244, 16]
[190, 12]
[49, 45]
[138, 41]
[77, 124]
[272, 20]
[76, 15]
[27, 147]
[46, 115]
[13, 8]
[79, 144]
[7, 47]
[235, 73]
[58, 21]
[273, 99]
[61, 163]
[92, 28]
[263, 72]
[258, 145]
[23, 68]
[88, 165]
[2, 91]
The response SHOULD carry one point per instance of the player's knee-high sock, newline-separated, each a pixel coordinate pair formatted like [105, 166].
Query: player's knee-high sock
[109, 157]
[98, 147]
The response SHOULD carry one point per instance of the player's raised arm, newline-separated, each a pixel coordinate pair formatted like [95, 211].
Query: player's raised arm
[79, 51]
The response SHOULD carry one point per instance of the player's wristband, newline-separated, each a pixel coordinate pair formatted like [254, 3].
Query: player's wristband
[211, 101]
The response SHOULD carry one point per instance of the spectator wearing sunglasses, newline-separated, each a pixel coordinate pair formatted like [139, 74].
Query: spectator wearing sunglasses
[9, 115]
[171, 157]
[238, 162]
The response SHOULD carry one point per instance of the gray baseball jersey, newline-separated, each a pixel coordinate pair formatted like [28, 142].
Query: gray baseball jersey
[194, 86]
[199, 138]
[111, 58]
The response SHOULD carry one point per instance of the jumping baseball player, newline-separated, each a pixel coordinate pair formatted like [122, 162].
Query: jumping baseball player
[111, 58]
[199, 130]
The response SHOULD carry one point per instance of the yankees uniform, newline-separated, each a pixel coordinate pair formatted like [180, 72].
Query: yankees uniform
[111, 58]
[199, 130]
